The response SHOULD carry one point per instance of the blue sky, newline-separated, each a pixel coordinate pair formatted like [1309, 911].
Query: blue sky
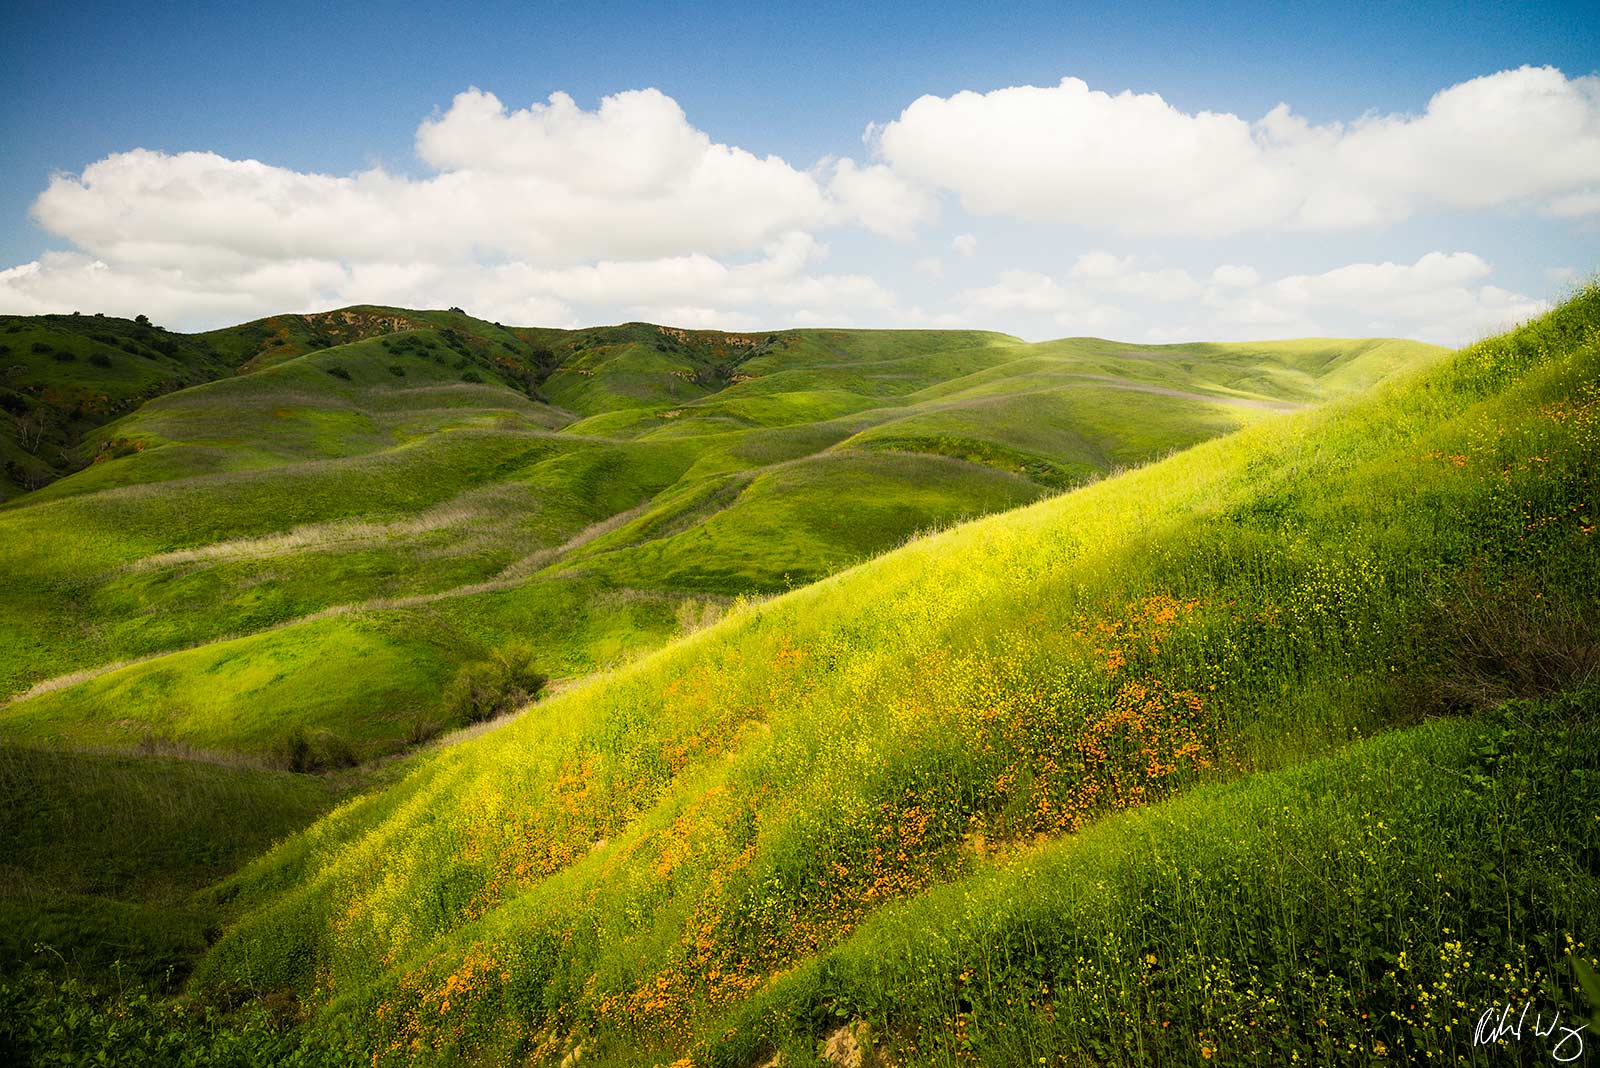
[337, 90]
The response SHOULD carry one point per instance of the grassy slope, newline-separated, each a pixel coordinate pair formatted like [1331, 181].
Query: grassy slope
[104, 852]
[62, 377]
[402, 476]
[702, 851]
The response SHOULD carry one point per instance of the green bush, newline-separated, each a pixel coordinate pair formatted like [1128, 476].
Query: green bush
[503, 682]
[297, 752]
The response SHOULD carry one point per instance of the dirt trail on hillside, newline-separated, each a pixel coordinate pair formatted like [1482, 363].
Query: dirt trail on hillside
[515, 574]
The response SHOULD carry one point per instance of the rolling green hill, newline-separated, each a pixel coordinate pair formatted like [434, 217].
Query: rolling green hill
[1079, 782]
[1280, 749]
[389, 509]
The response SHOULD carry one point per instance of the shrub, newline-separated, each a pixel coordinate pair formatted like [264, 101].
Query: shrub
[503, 682]
[339, 372]
[142, 320]
[63, 356]
[100, 359]
[333, 751]
[423, 729]
[42, 347]
[396, 370]
[294, 751]
[472, 376]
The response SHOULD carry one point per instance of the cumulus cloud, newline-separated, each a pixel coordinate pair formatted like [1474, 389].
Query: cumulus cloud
[551, 183]
[964, 245]
[530, 215]
[1442, 297]
[1134, 163]
[1234, 276]
[878, 199]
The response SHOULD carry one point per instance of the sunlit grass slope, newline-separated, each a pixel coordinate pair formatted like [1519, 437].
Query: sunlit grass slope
[320, 544]
[1142, 774]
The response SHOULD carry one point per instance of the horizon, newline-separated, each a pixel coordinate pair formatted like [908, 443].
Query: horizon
[821, 327]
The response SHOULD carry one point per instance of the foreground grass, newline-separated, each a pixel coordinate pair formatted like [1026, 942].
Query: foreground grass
[104, 853]
[702, 854]
[1362, 909]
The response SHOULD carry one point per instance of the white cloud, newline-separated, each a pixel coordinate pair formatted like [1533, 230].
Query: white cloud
[557, 214]
[1441, 297]
[1134, 163]
[1018, 291]
[1122, 276]
[551, 183]
[1235, 276]
[532, 215]
[879, 200]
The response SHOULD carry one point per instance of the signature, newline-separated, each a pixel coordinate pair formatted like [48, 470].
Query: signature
[1498, 1025]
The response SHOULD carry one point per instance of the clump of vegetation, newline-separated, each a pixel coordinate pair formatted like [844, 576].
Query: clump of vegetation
[497, 685]
[398, 370]
[339, 372]
[322, 751]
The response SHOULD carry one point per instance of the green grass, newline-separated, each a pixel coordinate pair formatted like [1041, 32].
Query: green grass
[736, 844]
[1162, 745]
[104, 853]
[323, 480]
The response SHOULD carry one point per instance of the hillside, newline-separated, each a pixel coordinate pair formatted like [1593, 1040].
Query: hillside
[1085, 782]
[388, 510]
[389, 522]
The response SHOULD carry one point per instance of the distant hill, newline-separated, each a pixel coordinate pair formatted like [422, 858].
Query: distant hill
[390, 495]
[64, 376]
